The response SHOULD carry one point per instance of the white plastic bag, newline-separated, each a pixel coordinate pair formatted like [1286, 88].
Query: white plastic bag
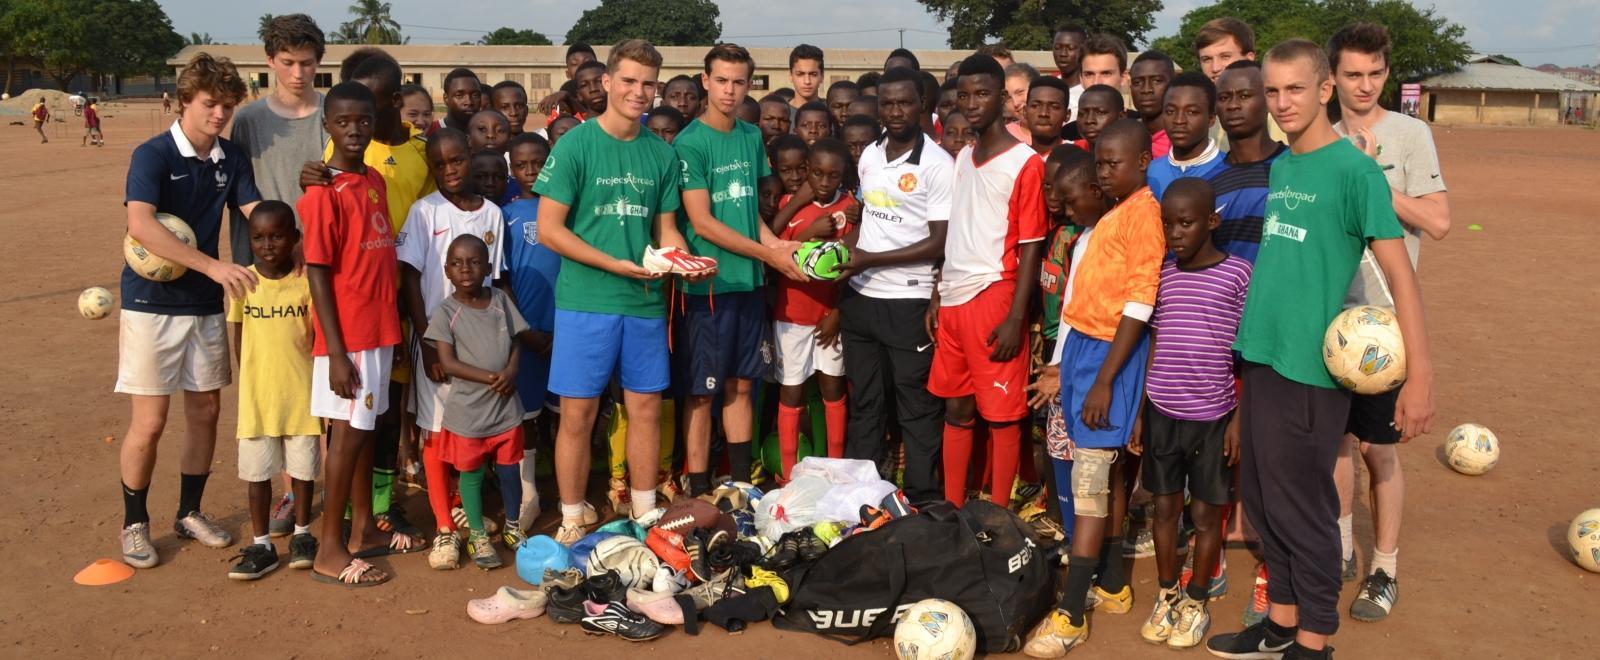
[836, 470]
[843, 502]
[791, 507]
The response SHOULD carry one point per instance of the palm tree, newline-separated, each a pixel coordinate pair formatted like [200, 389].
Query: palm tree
[266, 19]
[373, 23]
[199, 39]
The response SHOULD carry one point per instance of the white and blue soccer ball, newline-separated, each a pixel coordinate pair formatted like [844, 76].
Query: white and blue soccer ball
[935, 629]
[1363, 350]
[1472, 449]
[1583, 536]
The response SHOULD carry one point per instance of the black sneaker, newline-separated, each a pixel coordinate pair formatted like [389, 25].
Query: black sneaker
[566, 605]
[785, 553]
[615, 619]
[1253, 643]
[255, 561]
[605, 588]
[1378, 595]
[810, 547]
[302, 551]
[1298, 652]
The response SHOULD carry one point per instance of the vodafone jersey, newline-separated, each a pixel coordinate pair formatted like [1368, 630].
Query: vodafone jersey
[431, 225]
[995, 206]
[347, 230]
[899, 199]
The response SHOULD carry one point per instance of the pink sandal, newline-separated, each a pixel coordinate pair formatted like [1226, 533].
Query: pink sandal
[507, 604]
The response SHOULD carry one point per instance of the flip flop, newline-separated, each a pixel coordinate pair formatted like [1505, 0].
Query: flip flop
[353, 576]
[415, 545]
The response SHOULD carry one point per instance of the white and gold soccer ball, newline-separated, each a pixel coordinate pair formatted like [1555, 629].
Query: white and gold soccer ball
[1472, 449]
[1584, 539]
[935, 629]
[150, 266]
[94, 303]
[1363, 350]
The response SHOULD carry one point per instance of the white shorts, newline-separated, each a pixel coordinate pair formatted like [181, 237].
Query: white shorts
[800, 354]
[428, 404]
[372, 396]
[261, 459]
[158, 354]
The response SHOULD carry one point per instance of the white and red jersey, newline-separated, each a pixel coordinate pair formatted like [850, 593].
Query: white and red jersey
[995, 206]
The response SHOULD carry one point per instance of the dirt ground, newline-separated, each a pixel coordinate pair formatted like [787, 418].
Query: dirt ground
[1483, 568]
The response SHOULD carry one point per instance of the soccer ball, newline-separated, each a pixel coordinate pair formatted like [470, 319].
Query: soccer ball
[94, 303]
[147, 264]
[822, 260]
[1363, 350]
[935, 629]
[1584, 539]
[629, 557]
[1472, 449]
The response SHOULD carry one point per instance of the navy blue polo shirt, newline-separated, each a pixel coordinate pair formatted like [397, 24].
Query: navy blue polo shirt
[168, 174]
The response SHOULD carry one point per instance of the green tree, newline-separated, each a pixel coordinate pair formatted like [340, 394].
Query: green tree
[261, 30]
[513, 37]
[372, 24]
[663, 22]
[69, 38]
[198, 39]
[1424, 41]
[1030, 24]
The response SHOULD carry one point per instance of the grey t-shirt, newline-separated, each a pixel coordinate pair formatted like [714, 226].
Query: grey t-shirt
[482, 338]
[278, 147]
[1411, 164]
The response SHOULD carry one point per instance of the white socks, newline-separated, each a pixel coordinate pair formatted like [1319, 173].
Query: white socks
[1347, 541]
[1385, 561]
[643, 502]
[302, 529]
[572, 513]
[264, 540]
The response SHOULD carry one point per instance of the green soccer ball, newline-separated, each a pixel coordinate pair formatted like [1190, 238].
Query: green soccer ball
[822, 260]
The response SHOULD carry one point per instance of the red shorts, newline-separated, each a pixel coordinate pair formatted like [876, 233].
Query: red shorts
[961, 364]
[467, 454]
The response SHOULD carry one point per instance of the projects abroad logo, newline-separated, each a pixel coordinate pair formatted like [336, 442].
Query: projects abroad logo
[737, 191]
[628, 179]
[1291, 199]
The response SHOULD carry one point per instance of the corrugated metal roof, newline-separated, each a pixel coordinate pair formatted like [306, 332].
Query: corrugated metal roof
[1485, 75]
[674, 57]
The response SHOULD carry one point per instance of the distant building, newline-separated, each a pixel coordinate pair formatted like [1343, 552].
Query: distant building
[540, 69]
[1488, 90]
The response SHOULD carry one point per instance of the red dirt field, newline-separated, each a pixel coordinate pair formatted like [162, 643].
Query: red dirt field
[1483, 571]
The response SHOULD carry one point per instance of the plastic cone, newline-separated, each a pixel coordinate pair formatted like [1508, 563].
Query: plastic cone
[103, 572]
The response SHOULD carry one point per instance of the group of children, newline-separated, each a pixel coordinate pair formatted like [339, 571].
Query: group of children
[486, 286]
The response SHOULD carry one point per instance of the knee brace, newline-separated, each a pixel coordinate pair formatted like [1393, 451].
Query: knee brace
[1091, 481]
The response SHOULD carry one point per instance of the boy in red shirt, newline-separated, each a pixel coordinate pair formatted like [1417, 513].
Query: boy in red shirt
[991, 263]
[350, 260]
[805, 323]
[91, 126]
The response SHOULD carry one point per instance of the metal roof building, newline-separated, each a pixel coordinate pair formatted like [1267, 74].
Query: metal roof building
[1488, 90]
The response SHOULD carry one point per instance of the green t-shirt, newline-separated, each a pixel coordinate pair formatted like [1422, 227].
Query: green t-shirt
[729, 164]
[615, 190]
[1322, 209]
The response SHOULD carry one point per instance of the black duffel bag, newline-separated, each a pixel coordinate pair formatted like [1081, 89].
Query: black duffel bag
[980, 557]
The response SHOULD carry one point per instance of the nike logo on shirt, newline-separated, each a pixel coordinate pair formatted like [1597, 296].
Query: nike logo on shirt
[923, 347]
[440, 232]
[175, 177]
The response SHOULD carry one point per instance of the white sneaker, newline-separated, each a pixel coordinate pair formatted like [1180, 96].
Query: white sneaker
[569, 533]
[1158, 627]
[137, 550]
[446, 552]
[674, 261]
[1192, 622]
[198, 526]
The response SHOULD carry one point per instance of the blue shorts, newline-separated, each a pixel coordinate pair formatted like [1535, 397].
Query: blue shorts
[533, 381]
[590, 348]
[722, 342]
[1081, 357]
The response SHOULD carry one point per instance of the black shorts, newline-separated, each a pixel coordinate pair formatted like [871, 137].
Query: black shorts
[722, 340]
[1181, 453]
[1372, 418]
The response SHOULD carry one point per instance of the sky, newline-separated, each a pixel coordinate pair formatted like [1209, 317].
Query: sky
[1564, 32]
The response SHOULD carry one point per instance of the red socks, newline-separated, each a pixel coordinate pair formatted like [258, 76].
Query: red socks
[788, 438]
[834, 412]
[1006, 440]
[957, 451]
[438, 485]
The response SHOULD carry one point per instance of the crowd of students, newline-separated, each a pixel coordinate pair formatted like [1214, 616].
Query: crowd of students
[1141, 290]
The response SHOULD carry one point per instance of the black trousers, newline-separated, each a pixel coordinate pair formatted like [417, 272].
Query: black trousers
[887, 352]
[1290, 434]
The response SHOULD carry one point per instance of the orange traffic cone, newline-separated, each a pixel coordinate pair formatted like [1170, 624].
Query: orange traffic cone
[103, 572]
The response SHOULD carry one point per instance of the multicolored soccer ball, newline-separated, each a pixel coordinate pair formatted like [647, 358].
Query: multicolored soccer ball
[94, 303]
[1472, 449]
[935, 629]
[1363, 350]
[1584, 539]
[629, 557]
[147, 264]
[822, 260]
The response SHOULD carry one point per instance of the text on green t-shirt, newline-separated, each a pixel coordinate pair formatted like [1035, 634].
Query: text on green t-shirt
[729, 165]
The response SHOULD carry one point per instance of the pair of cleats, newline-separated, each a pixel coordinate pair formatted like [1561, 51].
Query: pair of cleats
[796, 547]
[446, 552]
[256, 560]
[1258, 642]
[675, 261]
[1176, 620]
[597, 605]
[139, 552]
[1056, 635]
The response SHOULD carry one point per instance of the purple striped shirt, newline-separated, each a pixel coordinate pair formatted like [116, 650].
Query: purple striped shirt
[1196, 318]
